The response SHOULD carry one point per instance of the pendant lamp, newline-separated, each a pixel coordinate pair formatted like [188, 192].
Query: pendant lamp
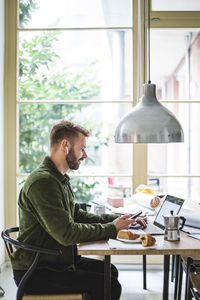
[149, 121]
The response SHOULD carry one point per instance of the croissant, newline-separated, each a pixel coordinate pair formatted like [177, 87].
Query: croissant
[147, 240]
[128, 235]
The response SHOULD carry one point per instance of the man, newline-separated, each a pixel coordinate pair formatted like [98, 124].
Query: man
[50, 218]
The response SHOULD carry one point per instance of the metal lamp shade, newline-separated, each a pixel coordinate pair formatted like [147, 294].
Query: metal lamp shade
[149, 122]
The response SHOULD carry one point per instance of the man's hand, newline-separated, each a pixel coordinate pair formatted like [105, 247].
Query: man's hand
[123, 222]
[140, 221]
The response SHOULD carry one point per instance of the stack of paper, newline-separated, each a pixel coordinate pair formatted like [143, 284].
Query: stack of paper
[131, 209]
[192, 217]
[146, 200]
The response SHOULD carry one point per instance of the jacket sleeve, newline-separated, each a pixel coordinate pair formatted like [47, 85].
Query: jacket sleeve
[45, 201]
[81, 216]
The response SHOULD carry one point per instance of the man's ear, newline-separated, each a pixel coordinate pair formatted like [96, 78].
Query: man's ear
[65, 145]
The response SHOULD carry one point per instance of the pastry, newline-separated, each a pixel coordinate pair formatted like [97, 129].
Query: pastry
[127, 234]
[147, 240]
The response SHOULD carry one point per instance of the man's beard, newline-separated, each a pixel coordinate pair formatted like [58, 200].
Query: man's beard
[72, 161]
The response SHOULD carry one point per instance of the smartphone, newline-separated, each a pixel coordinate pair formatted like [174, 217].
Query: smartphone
[137, 214]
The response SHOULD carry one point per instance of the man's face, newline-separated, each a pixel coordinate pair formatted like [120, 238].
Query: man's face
[77, 152]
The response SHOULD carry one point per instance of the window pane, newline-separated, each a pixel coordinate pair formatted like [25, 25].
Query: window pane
[99, 188]
[186, 159]
[175, 63]
[119, 187]
[51, 65]
[75, 13]
[178, 5]
[180, 158]
[87, 189]
[104, 155]
[186, 188]
[177, 79]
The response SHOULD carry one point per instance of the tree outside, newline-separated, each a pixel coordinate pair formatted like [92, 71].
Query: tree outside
[39, 79]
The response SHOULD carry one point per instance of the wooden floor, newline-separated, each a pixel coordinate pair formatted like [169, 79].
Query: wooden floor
[130, 278]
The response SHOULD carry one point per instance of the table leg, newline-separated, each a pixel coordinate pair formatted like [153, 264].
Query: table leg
[144, 272]
[107, 278]
[173, 269]
[166, 277]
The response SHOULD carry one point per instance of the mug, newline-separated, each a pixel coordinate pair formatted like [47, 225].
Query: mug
[99, 209]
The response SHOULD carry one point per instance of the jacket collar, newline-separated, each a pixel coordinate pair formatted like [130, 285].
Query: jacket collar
[50, 164]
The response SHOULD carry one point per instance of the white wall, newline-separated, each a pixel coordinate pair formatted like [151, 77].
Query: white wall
[1, 127]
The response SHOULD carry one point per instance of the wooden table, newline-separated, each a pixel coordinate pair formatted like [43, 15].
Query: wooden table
[186, 246]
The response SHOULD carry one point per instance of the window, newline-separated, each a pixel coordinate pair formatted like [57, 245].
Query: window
[77, 59]
[178, 5]
[75, 63]
[178, 51]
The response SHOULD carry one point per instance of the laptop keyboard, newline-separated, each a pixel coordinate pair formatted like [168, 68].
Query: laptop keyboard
[152, 229]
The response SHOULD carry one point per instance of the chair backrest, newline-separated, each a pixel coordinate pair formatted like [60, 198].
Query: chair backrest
[10, 242]
[193, 270]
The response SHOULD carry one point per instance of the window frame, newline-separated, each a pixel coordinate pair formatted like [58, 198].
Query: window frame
[167, 19]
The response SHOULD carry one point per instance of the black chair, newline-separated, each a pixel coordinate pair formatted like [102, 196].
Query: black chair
[84, 206]
[193, 278]
[2, 292]
[191, 266]
[10, 243]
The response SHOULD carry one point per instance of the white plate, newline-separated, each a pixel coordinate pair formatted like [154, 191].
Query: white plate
[130, 241]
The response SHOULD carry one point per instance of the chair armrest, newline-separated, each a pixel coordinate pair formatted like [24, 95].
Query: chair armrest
[84, 206]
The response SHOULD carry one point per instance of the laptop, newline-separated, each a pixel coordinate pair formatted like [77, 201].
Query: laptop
[158, 227]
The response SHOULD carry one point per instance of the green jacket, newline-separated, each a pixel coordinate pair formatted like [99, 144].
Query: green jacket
[49, 218]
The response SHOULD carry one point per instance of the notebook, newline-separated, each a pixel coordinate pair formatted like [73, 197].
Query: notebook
[157, 227]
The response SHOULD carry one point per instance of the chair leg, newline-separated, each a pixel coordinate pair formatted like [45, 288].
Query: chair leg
[190, 293]
[144, 272]
[180, 278]
[2, 292]
[187, 279]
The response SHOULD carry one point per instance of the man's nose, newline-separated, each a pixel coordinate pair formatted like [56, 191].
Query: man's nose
[84, 155]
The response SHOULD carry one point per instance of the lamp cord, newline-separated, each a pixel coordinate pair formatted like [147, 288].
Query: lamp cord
[149, 80]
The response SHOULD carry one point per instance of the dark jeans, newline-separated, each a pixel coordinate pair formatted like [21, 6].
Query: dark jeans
[88, 278]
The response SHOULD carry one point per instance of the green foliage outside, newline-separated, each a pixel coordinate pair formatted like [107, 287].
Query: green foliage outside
[40, 80]
[25, 8]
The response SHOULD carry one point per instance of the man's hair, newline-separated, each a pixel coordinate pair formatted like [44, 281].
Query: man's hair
[66, 130]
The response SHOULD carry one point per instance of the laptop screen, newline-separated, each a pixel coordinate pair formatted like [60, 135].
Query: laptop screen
[170, 203]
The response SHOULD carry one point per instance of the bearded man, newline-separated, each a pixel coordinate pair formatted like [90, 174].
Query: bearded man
[50, 218]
